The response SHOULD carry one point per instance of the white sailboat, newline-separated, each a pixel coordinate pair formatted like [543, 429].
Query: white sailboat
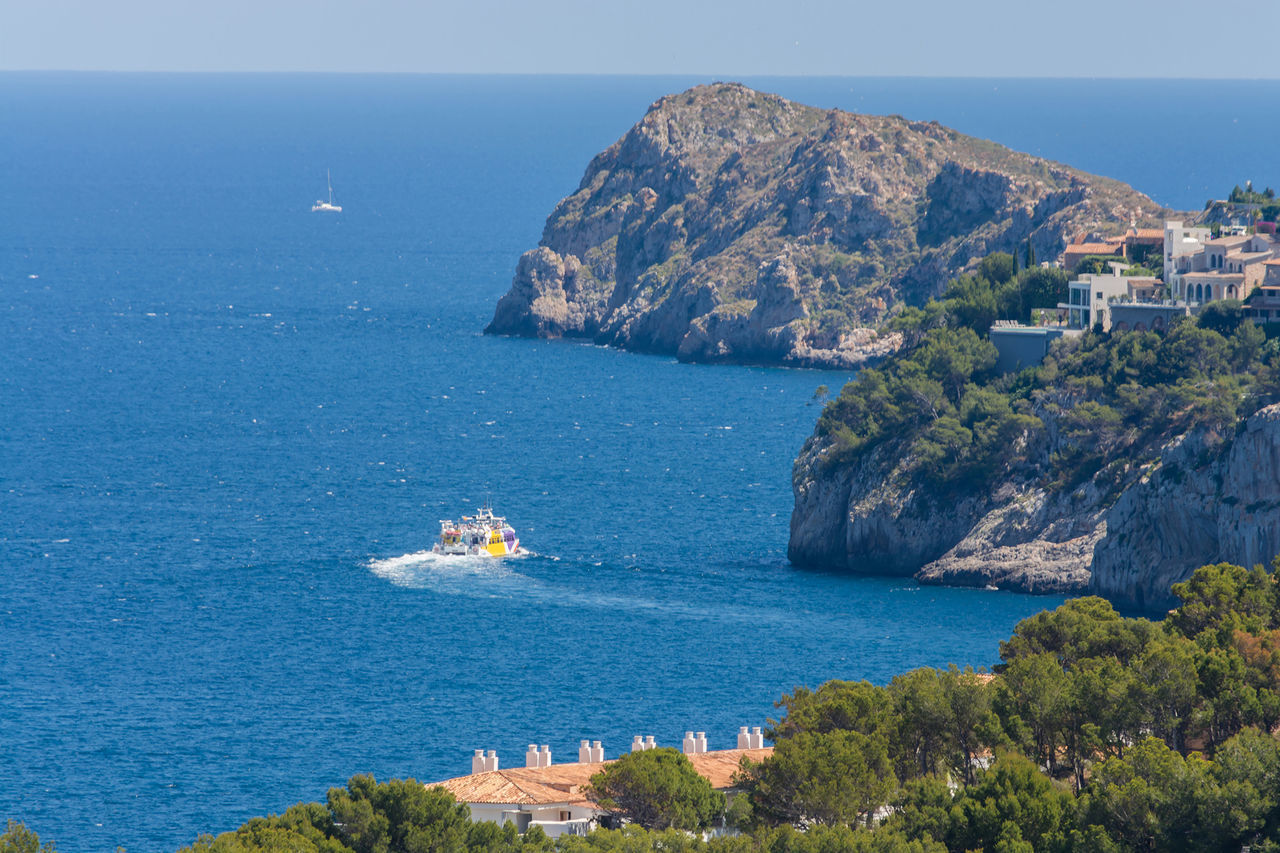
[327, 205]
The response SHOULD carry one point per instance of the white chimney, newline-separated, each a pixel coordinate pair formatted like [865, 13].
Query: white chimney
[637, 744]
[584, 752]
[477, 762]
[531, 757]
[701, 741]
[649, 742]
[690, 745]
[491, 761]
[744, 738]
[757, 739]
[545, 759]
[597, 753]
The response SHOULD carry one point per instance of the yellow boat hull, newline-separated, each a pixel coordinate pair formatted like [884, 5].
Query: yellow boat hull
[500, 548]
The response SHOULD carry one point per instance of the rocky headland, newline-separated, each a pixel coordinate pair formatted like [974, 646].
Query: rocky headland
[736, 226]
[731, 225]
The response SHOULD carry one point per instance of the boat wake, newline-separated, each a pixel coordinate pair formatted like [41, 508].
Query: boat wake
[427, 569]
[486, 577]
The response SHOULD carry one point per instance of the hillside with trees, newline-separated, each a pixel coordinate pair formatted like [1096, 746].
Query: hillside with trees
[935, 464]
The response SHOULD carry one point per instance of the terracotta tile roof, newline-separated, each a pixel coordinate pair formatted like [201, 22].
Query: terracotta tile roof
[1148, 233]
[563, 783]
[524, 785]
[718, 767]
[1093, 248]
[1231, 240]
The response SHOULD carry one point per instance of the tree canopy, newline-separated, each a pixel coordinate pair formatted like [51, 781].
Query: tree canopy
[657, 789]
[399, 816]
[18, 839]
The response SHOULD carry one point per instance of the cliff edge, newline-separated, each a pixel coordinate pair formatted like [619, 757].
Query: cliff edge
[734, 225]
[1203, 498]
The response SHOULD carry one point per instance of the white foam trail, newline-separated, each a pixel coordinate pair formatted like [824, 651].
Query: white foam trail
[427, 569]
[487, 577]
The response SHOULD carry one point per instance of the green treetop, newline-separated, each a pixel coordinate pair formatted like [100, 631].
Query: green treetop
[18, 839]
[657, 789]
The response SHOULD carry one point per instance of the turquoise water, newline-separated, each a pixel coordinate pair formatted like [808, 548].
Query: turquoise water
[230, 426]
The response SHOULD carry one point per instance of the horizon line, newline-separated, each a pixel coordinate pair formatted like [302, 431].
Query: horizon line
[721, 77]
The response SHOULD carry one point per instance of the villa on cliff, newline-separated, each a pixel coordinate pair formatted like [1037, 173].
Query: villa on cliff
[551, 796]
[1197, 268]
[1135, 245]
[1264, 307]
[1226, 267]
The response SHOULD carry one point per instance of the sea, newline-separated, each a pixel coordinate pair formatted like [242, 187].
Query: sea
[229, 427]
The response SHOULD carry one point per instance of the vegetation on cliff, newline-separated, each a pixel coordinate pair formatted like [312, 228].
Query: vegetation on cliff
[1098, 407]
[735, 225]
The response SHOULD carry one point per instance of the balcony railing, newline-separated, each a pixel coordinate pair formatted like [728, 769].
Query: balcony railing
[556, 828]
[1156, 303]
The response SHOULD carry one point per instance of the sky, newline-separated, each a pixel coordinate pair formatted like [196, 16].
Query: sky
[926, 38]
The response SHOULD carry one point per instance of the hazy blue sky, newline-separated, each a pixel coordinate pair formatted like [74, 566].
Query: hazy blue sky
[1015, 38]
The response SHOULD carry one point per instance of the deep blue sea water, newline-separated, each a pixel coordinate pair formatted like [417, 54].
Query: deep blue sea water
[228, 427]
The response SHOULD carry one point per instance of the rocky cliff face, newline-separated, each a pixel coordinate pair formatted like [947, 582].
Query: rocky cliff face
[1205, 499]
[1186, 513]
[733, 225]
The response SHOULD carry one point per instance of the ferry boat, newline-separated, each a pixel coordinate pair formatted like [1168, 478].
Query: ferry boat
[483, 534]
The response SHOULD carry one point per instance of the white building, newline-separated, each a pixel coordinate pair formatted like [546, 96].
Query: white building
[551, 796]
[1087, 299]
[1179, 242]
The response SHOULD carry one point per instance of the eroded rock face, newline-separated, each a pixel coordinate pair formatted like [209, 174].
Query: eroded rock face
[1205, 499]
[734, 225]
[548, 297]
[1186, 513]
[1028, 540]
[868, 520]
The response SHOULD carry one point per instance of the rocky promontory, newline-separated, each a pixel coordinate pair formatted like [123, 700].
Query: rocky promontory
[1202, 498]
[734, 225]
